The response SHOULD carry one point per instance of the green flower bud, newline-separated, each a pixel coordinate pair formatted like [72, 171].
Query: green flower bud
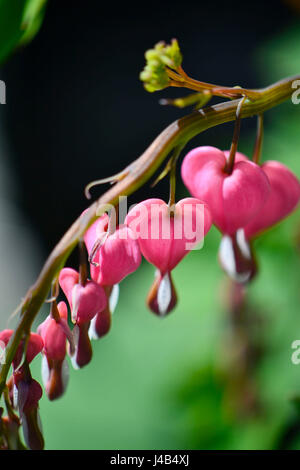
[154, 75]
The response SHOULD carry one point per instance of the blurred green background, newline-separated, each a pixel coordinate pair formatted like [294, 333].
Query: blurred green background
[173, 383]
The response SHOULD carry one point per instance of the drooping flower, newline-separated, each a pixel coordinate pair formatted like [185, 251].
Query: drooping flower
[165, 236]
[85, 302]
[29, 392]
[234, 199]
[25, 391]
[55, 370]
[34, 346]
[117, 256]
[114, 256]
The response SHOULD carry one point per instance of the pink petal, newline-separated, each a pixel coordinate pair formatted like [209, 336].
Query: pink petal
[68, 278]
[89, 300]
[95, 231]
[233, 199]
[284, 197]
[163, 239]
[118, 257]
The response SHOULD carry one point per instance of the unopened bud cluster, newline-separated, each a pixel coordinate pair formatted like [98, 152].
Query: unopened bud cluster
[155, 75]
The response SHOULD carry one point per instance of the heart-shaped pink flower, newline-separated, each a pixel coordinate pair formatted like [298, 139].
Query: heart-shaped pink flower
[118, 255]
[34, 346]
[165, 239]
[165, 235]
[54, 334]
[55, 370]
[284, 197]
[233, 199]
[85, 301]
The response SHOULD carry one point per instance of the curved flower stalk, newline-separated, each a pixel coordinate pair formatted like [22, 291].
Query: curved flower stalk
[83, 294]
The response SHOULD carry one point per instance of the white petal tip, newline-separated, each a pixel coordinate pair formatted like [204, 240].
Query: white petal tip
[164, 294]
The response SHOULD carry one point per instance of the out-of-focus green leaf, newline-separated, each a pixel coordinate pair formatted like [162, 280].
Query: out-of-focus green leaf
[32, 19]
[20, 20]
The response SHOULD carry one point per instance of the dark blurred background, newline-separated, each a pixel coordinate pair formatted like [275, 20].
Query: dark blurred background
[76, 111]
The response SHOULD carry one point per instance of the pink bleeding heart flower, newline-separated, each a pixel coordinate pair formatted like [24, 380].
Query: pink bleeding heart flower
[117, 256]
[165, 237]
[25, 392]
[85, 302]
[283, 199]
[28, 393]
[34, 346]
[55, 332]
[234, 199]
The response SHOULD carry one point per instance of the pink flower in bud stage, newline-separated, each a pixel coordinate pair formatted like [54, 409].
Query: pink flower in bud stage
[55, 371]
[165, 236]
[34, 346]
[85, 302]
[233, 199]
[29, 392]
[118, 254]
[24, 390]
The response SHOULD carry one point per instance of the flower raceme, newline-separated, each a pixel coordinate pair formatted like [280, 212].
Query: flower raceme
[243, 204]
[165, 235]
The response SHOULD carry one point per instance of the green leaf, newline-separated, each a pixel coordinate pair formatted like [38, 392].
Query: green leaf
[20, 20]
[32, 19]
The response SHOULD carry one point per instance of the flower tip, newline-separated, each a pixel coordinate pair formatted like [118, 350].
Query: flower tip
[162, 297]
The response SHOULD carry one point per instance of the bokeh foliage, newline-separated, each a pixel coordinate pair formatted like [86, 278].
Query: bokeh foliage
[20, 20]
